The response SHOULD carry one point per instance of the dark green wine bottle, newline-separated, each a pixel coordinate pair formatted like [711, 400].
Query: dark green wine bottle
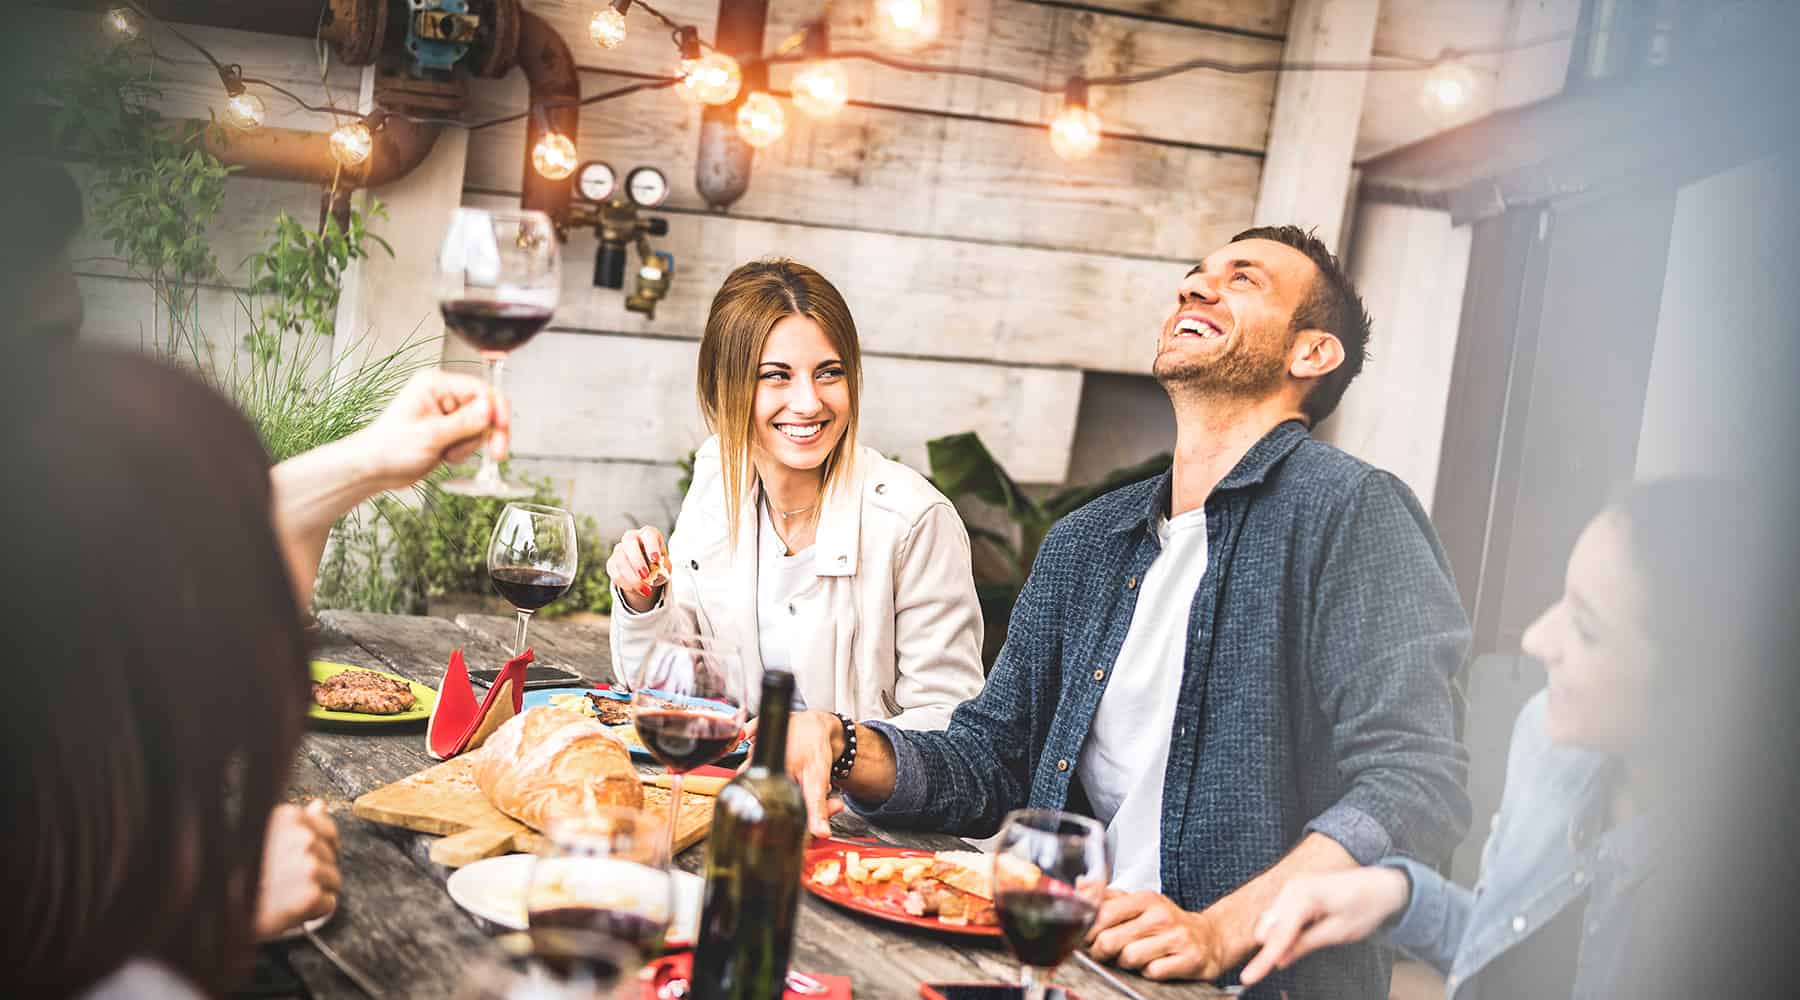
[753, 860]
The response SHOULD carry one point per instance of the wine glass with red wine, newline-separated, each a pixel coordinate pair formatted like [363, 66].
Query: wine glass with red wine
[531, 559]
[1050, 875]
[687, 704]
[606, 871]
[498, 282]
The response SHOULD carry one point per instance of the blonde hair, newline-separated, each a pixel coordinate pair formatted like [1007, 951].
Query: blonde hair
[752, 300]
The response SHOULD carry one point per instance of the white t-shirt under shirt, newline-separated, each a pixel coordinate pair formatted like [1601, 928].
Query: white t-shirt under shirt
[1127, 750]
[779, 579]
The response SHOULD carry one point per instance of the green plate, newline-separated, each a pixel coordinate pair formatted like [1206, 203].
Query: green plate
[421, 710]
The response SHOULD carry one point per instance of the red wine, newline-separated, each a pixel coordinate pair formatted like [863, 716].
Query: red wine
[1043, 927]
[636, 930]
[494, 326]
[685, 740]
[529, 589]
[753, 861]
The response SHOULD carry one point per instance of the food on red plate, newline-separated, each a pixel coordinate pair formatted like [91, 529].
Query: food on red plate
[955, 887]
[363, 691]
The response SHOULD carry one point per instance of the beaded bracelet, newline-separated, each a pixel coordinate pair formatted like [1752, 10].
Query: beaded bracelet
[840, 768]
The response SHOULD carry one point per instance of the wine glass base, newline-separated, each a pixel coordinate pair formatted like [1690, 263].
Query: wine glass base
[497, 488]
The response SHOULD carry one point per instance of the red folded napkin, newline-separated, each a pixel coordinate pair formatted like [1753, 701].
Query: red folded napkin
[458, 724]
[681, 966]
[713, 771]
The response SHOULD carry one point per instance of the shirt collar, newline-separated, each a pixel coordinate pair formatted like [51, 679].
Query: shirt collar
[1251, 470]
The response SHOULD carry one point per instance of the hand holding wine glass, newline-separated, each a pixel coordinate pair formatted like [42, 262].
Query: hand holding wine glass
[532, 559]
[1050, 875]
[498, 284]
[687, 704]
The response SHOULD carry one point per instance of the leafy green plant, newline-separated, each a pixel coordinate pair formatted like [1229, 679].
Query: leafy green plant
[963, 468]
[400, 557]
[153, 192]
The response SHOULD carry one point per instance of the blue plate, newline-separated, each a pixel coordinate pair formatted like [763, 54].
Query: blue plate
[626, 732]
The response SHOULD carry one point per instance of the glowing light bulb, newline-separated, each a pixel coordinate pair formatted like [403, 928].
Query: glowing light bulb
[554, 156]
[906, 24]
[1450, 88]
[714, 78]
[821, 89]
[245, 111]
[351, 144]
[607, 29]
[1074, 132]
[124, 24]
[760, 120]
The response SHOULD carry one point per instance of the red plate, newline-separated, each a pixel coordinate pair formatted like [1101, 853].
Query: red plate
[846, 895]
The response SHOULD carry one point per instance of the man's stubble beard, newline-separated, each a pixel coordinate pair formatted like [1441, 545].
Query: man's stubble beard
[1245, 372]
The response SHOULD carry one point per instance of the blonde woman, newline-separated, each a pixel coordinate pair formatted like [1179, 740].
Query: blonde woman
[805, 550]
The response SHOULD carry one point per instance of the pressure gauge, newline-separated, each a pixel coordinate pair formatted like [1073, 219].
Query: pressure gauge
[595, 181]
[647, 187]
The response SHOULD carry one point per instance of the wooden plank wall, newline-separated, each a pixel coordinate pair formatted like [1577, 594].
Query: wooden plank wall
[986, 274]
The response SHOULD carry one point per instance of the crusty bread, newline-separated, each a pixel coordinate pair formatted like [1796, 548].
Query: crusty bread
[547, 763]
[973, 874]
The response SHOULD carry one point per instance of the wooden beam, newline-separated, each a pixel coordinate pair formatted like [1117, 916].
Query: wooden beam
[917, 174]
[599, 396]
[911, 296]
[1267, 18]
[1039, 42]
[1312, 135]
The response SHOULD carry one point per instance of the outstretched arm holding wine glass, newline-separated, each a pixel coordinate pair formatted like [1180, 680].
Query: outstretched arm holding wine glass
[438, 416]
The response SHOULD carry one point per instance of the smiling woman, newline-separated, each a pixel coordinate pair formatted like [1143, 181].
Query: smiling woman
[810, 553]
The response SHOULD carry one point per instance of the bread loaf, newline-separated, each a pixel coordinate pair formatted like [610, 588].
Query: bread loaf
[548, 763]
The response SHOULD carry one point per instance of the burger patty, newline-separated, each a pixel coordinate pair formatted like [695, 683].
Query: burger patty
[363, 691]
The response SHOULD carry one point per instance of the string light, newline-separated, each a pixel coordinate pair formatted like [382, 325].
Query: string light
[246, 111]
[1450, 87]
[351, 144]
[760, 120]
[906, 24]
[714, 78]
[554, 156]
[124, 24]
[821, 89]
[607, 29]
[1075, 131]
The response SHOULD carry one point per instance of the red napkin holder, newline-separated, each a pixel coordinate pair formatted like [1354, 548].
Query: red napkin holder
[458, 724]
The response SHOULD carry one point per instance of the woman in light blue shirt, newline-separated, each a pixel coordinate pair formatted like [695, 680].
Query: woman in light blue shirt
[1642, 635]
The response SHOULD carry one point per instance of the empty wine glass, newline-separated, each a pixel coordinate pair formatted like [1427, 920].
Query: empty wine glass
[1050, 875]
[687, 704]
[606, 870]
[498, 281]
[531, 559]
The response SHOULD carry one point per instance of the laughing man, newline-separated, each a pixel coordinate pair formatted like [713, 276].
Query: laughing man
[1242, 668]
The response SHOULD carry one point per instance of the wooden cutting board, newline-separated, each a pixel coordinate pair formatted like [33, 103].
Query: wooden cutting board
[445, 800]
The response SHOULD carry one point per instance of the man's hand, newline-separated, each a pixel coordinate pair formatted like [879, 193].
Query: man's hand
[300, 879]
[815, 739]
[439, 416]
[1322, 911]
[1147, 932]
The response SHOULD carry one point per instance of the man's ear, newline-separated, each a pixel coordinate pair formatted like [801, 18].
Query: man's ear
[1315, 354]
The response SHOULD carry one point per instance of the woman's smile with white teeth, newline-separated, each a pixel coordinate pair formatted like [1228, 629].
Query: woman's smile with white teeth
[801, 433]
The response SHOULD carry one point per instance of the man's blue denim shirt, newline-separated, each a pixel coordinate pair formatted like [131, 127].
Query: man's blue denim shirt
[1316, 697]
[1549, 850]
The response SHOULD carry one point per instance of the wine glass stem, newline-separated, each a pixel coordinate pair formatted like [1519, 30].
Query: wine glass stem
[674, 814]
[490, 467]
[1036, 982]
[519, 632]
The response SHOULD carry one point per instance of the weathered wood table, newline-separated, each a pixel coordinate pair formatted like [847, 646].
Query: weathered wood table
[397, 925]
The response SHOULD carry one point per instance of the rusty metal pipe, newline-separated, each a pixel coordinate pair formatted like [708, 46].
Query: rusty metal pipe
[549, 68]
[290, 154]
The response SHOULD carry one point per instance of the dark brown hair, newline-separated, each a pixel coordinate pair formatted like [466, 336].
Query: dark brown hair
[1331, 305]
[158, 678]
